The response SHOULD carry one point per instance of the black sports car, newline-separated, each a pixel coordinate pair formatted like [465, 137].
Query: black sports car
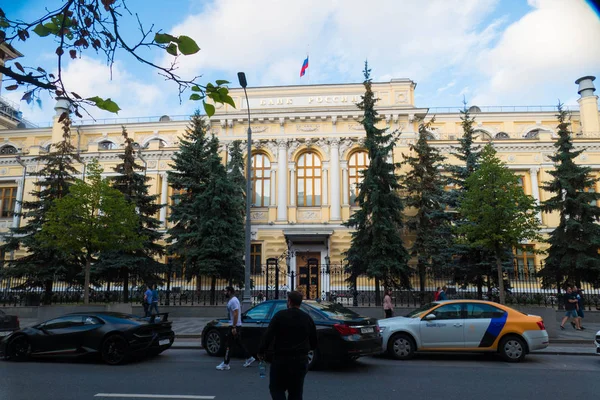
[343, 334]
[114, 336]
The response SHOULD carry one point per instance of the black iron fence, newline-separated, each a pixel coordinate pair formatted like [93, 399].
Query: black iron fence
[324, 282]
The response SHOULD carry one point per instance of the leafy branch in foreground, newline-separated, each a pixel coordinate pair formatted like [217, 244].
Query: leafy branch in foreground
[79, 26]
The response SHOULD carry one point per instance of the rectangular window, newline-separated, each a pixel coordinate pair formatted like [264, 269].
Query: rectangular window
[8, 200]
[524, 262]
[255, 258]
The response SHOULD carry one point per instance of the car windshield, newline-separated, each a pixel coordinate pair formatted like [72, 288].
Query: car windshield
[334, 310]
[420, 310]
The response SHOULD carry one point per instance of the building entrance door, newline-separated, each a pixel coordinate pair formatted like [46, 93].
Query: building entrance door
[308, 273]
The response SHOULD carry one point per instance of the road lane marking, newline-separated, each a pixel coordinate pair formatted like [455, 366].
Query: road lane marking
[154, 396]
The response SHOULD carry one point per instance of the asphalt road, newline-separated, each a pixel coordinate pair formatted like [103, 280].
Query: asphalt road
[191, 374]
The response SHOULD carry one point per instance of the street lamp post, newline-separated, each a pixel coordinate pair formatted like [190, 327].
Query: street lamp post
[247, 300]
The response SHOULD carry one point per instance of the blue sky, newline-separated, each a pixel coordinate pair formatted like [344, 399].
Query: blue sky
[493, 52]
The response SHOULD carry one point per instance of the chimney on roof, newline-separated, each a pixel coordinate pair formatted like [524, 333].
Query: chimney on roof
[588, 106]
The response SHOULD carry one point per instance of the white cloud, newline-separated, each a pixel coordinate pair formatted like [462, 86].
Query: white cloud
[400, 39]
[446, 87]
[542, 53]
[89, 77]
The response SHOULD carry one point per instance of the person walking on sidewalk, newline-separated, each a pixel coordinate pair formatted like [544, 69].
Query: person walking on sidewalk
[442, 295]
[571, 309]
[388, 309]
[295, 334]
[147, 300]
[234, 336]
[580, 307]
[154, 301]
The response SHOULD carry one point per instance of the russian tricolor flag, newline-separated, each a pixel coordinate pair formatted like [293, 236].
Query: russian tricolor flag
[304, 67]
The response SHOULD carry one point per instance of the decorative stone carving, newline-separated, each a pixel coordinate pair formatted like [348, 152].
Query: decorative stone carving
[281, 121]
[3, 171]
[259, 129]
[308, 127]
[356, 127]
[293, 145]
[511, 158]
[257, 215]
[583, 157]
[309, 215]
[334, 120]
[282, 144]
[223, 123]
[152, 164]
[345, 145]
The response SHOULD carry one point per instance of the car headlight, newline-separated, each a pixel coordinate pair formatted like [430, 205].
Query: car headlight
[382, 329]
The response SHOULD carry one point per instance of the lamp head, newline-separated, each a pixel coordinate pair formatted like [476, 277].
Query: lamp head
[242, 79]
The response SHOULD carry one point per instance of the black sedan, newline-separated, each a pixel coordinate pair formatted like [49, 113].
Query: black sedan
[116, 337]
[343, 334]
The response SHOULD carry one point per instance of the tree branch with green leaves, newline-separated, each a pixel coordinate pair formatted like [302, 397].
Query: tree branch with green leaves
[81, 26]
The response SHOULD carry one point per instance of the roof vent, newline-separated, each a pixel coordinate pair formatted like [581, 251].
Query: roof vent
[586, 86]
[474, 109]
[164, 118]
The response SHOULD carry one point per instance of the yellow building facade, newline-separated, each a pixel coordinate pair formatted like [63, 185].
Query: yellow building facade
[307, 156]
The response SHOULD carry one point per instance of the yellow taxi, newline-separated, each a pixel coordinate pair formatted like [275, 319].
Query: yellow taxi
[464, 326]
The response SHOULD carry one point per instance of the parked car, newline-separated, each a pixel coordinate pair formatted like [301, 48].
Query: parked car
[597, 342]
[342, 333]
[116, 337]
[8, 324]
[464, 326]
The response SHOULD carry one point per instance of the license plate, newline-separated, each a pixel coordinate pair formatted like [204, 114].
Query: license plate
[163, 342]
[367, 330]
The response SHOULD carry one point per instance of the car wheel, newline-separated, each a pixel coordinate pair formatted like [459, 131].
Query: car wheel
[401, 346]
[512, 349]
[213, 344]
[115, 350]
[314, 359]
[19, 348]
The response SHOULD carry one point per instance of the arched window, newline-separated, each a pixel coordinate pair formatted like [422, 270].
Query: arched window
[358, 161]
[106, 145]
[533, 134]
[309, 180]
[8, 149]
[261, 180]
[161, 143]
[502, 136]
[482, 135]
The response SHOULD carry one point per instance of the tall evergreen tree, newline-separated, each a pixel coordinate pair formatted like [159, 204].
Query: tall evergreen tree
[470, 264]
[574, 243]
[235, 175]
[221, 226]
[188, 178]
[499, 214]
[424, 185]
[376, 248]
[43, 264]
[132, 182]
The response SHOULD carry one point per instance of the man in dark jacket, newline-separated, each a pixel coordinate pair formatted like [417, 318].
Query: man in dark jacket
[294, 334]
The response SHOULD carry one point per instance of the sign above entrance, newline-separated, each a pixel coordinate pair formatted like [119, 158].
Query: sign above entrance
[305, 101]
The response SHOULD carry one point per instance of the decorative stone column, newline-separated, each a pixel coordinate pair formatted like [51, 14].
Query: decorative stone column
[292, 168]
[20, 187]
[535, 190]
[272, 194]
[282, 180]
[324, 196]
[345, 194]
[335, 180]
[164, 198]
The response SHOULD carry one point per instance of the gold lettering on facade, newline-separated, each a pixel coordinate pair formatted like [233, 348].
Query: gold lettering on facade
[263, 103]
[289, 101]
[279, 102]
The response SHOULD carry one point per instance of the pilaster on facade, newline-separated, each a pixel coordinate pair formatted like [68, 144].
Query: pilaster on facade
[535, 189]
[282, 156]
[20, 186]
[335, 213]
[164, 197]
[292, 169]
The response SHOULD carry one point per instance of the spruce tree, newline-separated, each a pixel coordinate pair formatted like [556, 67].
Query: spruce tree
[221, 226]
[235, 175]
[376, 248]
[188, 178]
[132, 182]
[574, 243]
[470, 263]
[43, 264]
[424, 185]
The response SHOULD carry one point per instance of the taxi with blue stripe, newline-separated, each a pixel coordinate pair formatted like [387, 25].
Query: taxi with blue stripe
[464, 326]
